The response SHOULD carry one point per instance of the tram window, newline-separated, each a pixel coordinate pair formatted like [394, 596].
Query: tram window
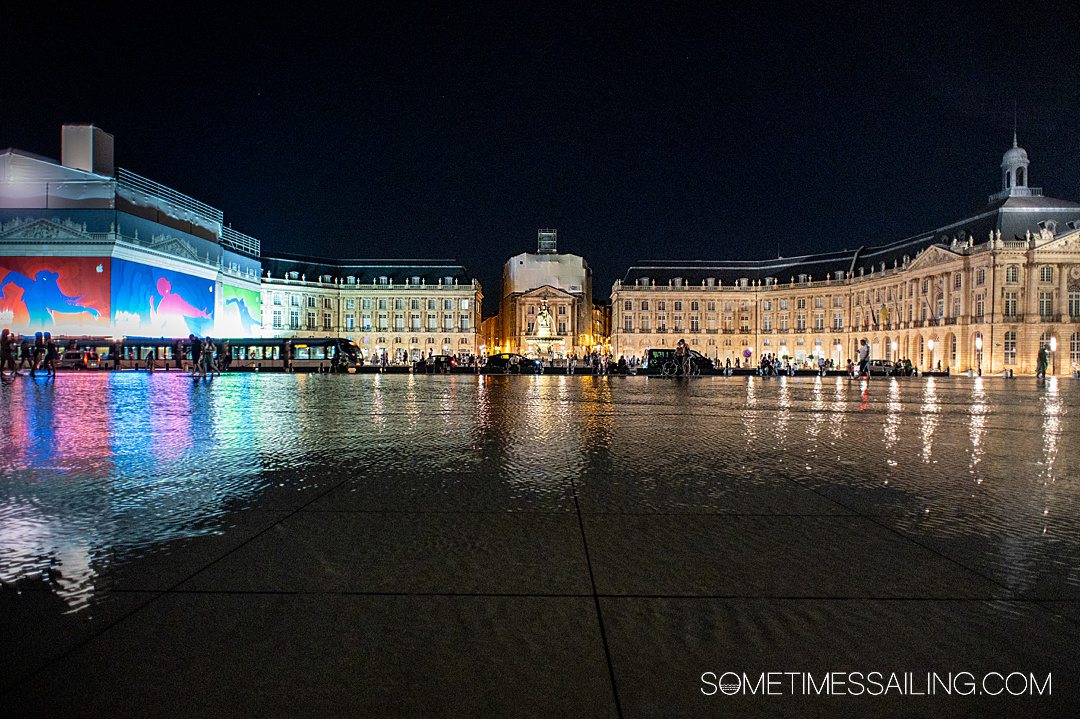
[302, 353]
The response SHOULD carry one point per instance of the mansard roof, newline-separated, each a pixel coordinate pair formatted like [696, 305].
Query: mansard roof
[366, 271]
[1014, 216]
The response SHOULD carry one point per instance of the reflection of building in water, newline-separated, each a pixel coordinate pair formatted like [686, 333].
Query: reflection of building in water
[546, 308]
[984, 291]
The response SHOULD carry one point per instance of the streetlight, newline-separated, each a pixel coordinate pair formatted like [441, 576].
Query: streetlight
[1053, 353]
[930, 346]
[978, 351]
[895, 349]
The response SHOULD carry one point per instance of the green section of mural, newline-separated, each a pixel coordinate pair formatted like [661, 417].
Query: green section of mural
[241, 312]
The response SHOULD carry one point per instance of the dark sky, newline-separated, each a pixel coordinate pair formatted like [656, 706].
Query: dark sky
[647, 131]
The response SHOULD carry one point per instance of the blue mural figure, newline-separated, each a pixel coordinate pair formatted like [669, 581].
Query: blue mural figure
[43, 297]
[246, 320]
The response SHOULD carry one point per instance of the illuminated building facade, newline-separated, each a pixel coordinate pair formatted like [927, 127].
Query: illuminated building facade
[403, 309]
[547, 308]
[983, 293]
[86, 250]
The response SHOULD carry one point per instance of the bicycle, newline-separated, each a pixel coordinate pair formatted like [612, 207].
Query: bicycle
[671, 368]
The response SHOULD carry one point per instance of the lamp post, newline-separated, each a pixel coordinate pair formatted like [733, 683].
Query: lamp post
[895, 347]
[930, 347]
[1053, 353]
[978, 351]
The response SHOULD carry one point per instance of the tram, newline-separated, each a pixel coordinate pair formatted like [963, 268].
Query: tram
[298, 354]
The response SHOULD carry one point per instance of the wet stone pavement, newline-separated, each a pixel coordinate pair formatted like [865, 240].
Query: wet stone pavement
[459, 546]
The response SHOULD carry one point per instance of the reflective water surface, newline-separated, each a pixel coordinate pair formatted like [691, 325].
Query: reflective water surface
[103, 470]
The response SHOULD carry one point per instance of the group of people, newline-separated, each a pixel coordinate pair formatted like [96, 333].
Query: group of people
[16, 354]
[207, 357]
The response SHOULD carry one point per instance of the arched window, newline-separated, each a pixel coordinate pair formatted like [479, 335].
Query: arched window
[1019, 177]
[1074, 348]
[1008, 179]
[952, 350]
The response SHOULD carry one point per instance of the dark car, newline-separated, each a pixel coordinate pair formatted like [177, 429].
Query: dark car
[438, 363]
[512, 363]
[659, 359]
[74, 359]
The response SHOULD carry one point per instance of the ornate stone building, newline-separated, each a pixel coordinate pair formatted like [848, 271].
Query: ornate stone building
[547, 307]
[980, 293]
[404, 309]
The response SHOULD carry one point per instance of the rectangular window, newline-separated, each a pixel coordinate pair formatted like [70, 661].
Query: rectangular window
[464, 305]
[628, 306]
[1074, 306]
[980, 307]
[431, 304]
[431, 322]
[1046, 274]
[957, 282]
[414, 304]
[783, 323]
[956, 307]
[711, 306]
[980, 277]
[627, 325]
[464, 323]
[695, 323]
[678, 320]
[695, 306]
[294, 300]
[366, 304]
[448, 304]
[800, 323]
[382, 304]
[766, 323]
[399, 322]
[399, 304]
[382, 322]
[1010, 347]
[1046, 305]
[326, 323]
[562, 310]
[766, 305]
[277, 319]
[644, 324]
[350, 322]
[1012, 274]
[366, 324]
[838, 322]
[644, 305]
[277, 298]
[326, 303]
[1010, 304]
[311, 320]
[310, 301]
[294, 319]
[448, 322]
[819, 302]
[678, 306]
[819, 323]
[350, 304]
[562, 328]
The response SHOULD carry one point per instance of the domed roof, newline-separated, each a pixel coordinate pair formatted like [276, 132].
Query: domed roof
[1014, 156]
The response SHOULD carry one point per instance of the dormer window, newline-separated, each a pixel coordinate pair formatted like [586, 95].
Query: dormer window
[350, 280]
[384, 280]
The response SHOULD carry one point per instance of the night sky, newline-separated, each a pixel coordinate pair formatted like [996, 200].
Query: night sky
[457, 131]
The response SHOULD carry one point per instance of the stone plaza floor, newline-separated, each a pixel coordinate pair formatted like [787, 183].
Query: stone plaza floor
[553, 546]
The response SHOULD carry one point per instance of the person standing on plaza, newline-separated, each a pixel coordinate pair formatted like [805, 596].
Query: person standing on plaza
[51, 356]
[7, 353]
[196, 354]
[26, 355]
[864, 359]
[1041, 363]
[39, 352]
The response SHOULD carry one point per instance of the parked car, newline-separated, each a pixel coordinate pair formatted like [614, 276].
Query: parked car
[78, 360]
[658, 357]
[886, 367]
[512, 363]
[438, 363]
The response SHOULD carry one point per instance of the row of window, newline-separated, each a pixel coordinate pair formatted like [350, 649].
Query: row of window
[463, 322]
[368, 303]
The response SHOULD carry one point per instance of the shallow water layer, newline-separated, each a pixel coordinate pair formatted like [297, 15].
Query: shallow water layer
[640, 493]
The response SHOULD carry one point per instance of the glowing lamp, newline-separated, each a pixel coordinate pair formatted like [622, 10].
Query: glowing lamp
[930, 345]
[1053, 344]
[978, 343]
[895, 345]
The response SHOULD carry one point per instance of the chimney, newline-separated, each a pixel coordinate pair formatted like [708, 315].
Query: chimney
[87, 148]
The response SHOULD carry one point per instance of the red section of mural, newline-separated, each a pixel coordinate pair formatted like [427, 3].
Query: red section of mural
[62, 295]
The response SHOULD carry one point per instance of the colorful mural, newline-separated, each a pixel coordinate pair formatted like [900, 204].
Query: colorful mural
[62, 295]
[154, 302]
[240, 314]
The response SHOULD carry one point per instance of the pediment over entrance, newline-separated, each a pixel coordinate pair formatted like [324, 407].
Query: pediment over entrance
[934, 255]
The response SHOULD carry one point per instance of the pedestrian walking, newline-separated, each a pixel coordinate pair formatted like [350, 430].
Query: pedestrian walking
[864, 358]
[1041, 362]
[51, 356]
[7, 353]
